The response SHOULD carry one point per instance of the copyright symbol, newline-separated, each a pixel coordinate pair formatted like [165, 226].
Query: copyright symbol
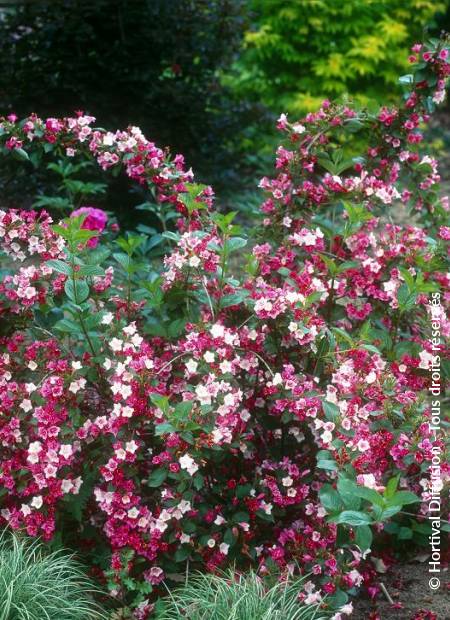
[434, 583]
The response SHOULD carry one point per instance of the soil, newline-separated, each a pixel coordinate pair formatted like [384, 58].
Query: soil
[408, 585]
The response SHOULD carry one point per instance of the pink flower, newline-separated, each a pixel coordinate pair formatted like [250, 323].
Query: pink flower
[155, 575]
[95, 220]
[444, 232]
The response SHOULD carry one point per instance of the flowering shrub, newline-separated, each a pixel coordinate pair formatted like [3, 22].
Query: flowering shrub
[264, 408]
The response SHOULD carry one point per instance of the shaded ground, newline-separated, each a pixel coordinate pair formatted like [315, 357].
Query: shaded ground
[408, 585]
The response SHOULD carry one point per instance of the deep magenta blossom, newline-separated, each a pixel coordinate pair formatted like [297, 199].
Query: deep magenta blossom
[95, 220]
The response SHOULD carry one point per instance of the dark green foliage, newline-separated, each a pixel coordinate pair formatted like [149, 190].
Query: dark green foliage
[154, 63]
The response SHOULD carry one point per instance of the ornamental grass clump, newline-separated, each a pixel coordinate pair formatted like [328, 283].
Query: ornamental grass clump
[232, 596]
[35, 585]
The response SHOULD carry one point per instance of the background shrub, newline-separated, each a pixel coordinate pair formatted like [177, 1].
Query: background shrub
[154, 63]
[298, 51]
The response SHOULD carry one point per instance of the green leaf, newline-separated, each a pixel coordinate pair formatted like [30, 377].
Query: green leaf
[363, 537]
[235, 243]
[182, 411]
[157, 477]
[352, 517]
[348, 492]
[405, 298]
[330, 499]
[160, 401]
[337, 600]
[327, 464]
[331, 411]
[241, 517]
[341, 333]
[67, 326]
[371, 348]
[176, 328]
[370, 495]
[401, 498]
[77, 291]
[163, 429]
[60, 267]
[389, 512]
[20, 154]
[123, 259]
[190, 198]
[199, 481]
[91, 270]
[93, 320]
[229, 538]
[182, 554]
[234, 299]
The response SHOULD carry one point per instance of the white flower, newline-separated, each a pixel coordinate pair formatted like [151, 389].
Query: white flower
[66, 486]
[326, 437]
[245, 415]
[298, 128]
[226, 366]
[203, 395]
[66, 450]
[194, 261]
[209, 357]
[191, 366]
[133, 513]
[26, 405]
[347, 609]
[184, 506]
[25, 510]
[127, 411]
[217, 331]
[223, 547]
[130, 329]
[277, 379]
[37, 502]
[116, 344]
[371, 377]
[187, 462]
[368, 480]
[78, 385]
[425, 360]
[33, 451]
[108, 318]
[131, 446]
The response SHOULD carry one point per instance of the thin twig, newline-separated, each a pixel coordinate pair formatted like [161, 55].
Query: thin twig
[386, 593]
[204, 282]
[177, 357]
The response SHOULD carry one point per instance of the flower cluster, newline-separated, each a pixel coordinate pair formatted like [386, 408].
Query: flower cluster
[24, 237]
